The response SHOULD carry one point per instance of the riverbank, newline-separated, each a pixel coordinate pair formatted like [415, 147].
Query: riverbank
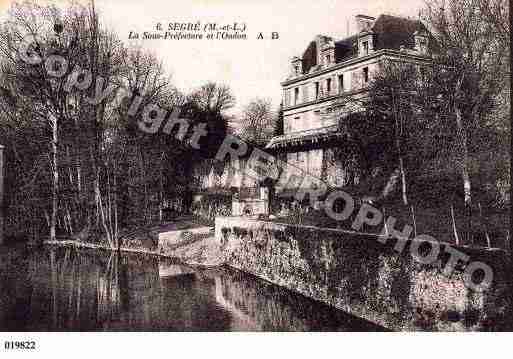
[63, 289]
[174, 240]
[353, 272]
[366, 277]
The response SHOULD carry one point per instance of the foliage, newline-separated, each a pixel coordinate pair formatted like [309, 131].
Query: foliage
[256, 125]
[212, 205]
[80, 168]
[279, 124]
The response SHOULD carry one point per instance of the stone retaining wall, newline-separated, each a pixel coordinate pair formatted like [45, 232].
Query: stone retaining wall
[356, 273]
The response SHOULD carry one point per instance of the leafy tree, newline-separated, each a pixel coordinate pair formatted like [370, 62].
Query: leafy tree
[256, 123]
[393, 102]
[43, 98]
[213, 97]
[468, 71]
[279, 129]
[83, 168]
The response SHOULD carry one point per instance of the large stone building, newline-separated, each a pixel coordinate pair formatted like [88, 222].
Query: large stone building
[328, 71]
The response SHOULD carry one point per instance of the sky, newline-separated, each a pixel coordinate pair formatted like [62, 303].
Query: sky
[252, 68]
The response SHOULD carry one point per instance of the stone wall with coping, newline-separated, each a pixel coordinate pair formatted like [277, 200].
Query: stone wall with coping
[359, 275]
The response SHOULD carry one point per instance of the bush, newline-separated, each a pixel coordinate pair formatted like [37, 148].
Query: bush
[212, 205]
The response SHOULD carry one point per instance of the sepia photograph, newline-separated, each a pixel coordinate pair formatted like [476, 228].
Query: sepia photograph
[219, 166]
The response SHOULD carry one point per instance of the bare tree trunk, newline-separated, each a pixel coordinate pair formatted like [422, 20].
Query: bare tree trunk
[465, 173]
[145, 188]
[116, 229]
[403, 179]
[53, 266]
[385, 227]
[70, 223]
[454, 229]
[109, 206]
[73, 315]
[47, 218]
[161, 187]
[97, 213]
[398, 138]
[98, 293]
[483, 221]
[79, 178]
[414, 221]
[55, 179]
[70, 173]
[101, 210]
[79, 289]
[391, 183]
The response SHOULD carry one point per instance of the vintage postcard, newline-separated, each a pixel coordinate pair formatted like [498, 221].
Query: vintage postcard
[253, 166]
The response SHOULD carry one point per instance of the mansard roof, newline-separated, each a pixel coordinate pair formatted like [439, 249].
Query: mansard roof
[390, 32]
[346, 48]
[310, 57]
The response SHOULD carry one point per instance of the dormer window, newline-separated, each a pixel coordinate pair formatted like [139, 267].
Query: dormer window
[296, 70]
[365, 45]
[422, 45]
[421, 42]
[326, 50]
[364, 22]
[365, 75]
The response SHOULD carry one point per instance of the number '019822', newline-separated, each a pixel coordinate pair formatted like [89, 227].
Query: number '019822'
[17, 345]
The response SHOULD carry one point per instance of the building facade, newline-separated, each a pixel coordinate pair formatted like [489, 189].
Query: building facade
[314, 92]
[327, 74]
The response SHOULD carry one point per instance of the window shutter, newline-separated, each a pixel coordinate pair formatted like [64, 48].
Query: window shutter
[287, 98]
[355, 80]
[315, 163]
[305, 93]
[287, 125]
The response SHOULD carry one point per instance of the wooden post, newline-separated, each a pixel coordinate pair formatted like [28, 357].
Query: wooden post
[414, 221]
[385, 228]
[264, 196]
[455, 230]
[1, 194]
[483, 223]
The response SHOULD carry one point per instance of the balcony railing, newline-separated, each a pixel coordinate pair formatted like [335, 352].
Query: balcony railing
[304, 135]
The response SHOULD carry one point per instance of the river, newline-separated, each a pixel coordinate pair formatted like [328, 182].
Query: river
[64, 289]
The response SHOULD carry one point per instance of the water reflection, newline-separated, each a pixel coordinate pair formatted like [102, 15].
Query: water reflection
[65, 289]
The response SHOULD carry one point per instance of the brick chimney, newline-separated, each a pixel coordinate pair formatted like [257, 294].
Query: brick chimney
[325, 50]
[296, 68]
[363, 23]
